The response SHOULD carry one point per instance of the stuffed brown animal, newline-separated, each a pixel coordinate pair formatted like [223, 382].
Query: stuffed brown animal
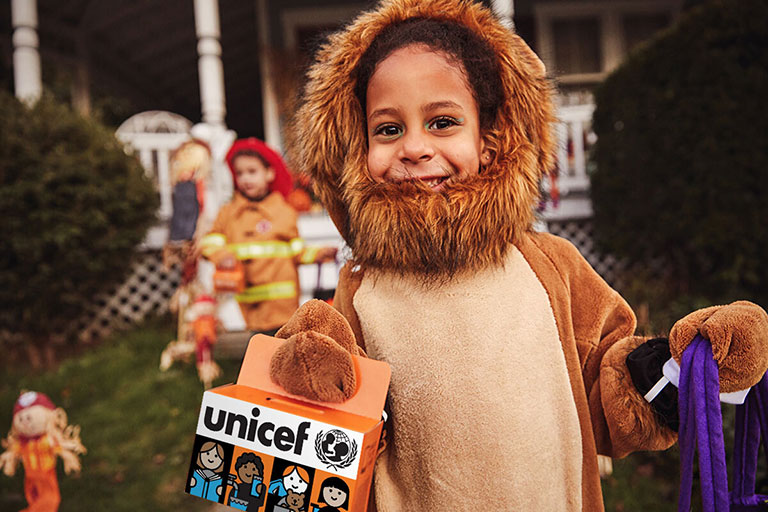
[426, 126]
[294, 501]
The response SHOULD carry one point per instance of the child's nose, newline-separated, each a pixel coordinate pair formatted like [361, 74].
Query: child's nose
[415, 147]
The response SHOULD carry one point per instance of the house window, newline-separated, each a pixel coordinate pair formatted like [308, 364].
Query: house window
[580, 42]
[577, 45]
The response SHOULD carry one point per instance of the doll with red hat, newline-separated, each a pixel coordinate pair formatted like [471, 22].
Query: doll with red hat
[39, 433]
[257, 231]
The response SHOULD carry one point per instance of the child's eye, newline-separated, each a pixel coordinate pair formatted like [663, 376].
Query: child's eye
[388, 131]
[443, 123]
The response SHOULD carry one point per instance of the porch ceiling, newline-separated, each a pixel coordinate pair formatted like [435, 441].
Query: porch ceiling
[145, 51]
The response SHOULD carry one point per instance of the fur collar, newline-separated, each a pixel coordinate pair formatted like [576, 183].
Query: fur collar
[466, 227]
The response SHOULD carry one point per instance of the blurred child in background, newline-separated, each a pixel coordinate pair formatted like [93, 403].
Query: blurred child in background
[256, 234]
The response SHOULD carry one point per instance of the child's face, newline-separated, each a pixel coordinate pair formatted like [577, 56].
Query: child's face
[253, 178]
[211, 459]
[32, 421]
[334, 497]
[294, 482]
[423, 121]
[248, 472]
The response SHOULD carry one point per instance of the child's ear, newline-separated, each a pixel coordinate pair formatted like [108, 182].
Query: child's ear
[485, 152]
[270, 174]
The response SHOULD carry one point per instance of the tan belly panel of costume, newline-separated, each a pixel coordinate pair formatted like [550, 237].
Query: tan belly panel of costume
[483, 416]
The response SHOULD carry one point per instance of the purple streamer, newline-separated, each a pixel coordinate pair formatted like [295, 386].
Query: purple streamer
[701, 426]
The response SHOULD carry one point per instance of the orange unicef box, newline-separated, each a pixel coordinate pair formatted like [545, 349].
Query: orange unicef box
[260, 448]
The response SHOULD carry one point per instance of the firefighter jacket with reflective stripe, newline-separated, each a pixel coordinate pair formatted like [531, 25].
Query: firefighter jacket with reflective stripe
[264, 237]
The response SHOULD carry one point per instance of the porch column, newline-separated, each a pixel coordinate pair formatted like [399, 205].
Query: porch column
[272, 135]
[26, 58]
[209, 63]
[505, 10]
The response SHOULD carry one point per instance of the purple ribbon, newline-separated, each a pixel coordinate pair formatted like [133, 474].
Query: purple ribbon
[701, 426]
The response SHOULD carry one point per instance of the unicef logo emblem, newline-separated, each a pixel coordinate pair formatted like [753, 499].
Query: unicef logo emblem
[335, 449]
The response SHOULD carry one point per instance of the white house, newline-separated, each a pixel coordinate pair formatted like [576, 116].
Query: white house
[223, 69]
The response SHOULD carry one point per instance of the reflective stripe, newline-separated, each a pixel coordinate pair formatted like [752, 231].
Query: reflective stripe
[214, 239]
[269, 291]
[310, 255]
[212, 242]
[297, 245]
[269, 249]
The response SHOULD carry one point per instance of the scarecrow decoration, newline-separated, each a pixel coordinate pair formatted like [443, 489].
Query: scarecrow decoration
[39, 432]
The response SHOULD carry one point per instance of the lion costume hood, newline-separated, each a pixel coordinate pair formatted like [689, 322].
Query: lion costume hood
[471, 225]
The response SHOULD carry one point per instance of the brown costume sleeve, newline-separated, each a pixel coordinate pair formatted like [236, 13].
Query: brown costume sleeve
[600, 324]
[349, 282]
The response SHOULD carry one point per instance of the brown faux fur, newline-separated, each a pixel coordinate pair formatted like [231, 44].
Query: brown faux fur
[738, 333]
[313, 365]
[319, 316]
[315, 361]
[632, 420]
[465, 228]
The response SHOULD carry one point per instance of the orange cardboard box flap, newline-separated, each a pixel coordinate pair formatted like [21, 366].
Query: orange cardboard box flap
[372, 379]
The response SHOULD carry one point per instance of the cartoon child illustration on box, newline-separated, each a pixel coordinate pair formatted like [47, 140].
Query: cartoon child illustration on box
[334, 493]
[206, 481]
[291, 487]
[248, 494]
[295, 478]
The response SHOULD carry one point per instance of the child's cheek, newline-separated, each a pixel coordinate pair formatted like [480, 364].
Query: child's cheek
[377, 165]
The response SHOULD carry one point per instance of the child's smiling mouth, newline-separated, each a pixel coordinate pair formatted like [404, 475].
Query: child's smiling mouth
[436, 183]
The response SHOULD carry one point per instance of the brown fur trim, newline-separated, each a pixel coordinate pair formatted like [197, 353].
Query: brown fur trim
[634, 424]
[327, 138]
[350, 278]
[407, 228]
[738, 333]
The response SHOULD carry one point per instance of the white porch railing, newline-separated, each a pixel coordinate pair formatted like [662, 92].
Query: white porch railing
[574, 138]
[152, 136]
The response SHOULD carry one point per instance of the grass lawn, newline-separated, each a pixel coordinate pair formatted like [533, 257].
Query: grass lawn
[137, 422]
[645, 482]
[138, 425]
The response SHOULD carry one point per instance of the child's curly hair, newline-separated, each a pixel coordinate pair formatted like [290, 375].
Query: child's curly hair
[459, 43]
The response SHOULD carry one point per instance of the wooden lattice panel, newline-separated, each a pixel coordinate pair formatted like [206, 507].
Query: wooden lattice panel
[147, 290]
[579, 232]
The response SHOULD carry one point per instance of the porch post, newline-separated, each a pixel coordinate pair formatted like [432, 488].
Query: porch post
[209, 64]
[505, 10]
[272, 135]
[26, 57]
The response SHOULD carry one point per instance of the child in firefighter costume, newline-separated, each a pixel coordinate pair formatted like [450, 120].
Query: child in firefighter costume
[38, 435]
[426, 125]
[257, 231]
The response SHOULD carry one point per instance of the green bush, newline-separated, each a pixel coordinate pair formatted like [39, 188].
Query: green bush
[73, 208]
[682, 154]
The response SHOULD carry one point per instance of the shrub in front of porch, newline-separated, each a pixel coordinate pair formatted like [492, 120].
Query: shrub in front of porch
[73, 208]
[682, 156]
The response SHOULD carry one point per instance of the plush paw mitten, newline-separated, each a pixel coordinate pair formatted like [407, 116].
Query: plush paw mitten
[738, 333]
[316, 359]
